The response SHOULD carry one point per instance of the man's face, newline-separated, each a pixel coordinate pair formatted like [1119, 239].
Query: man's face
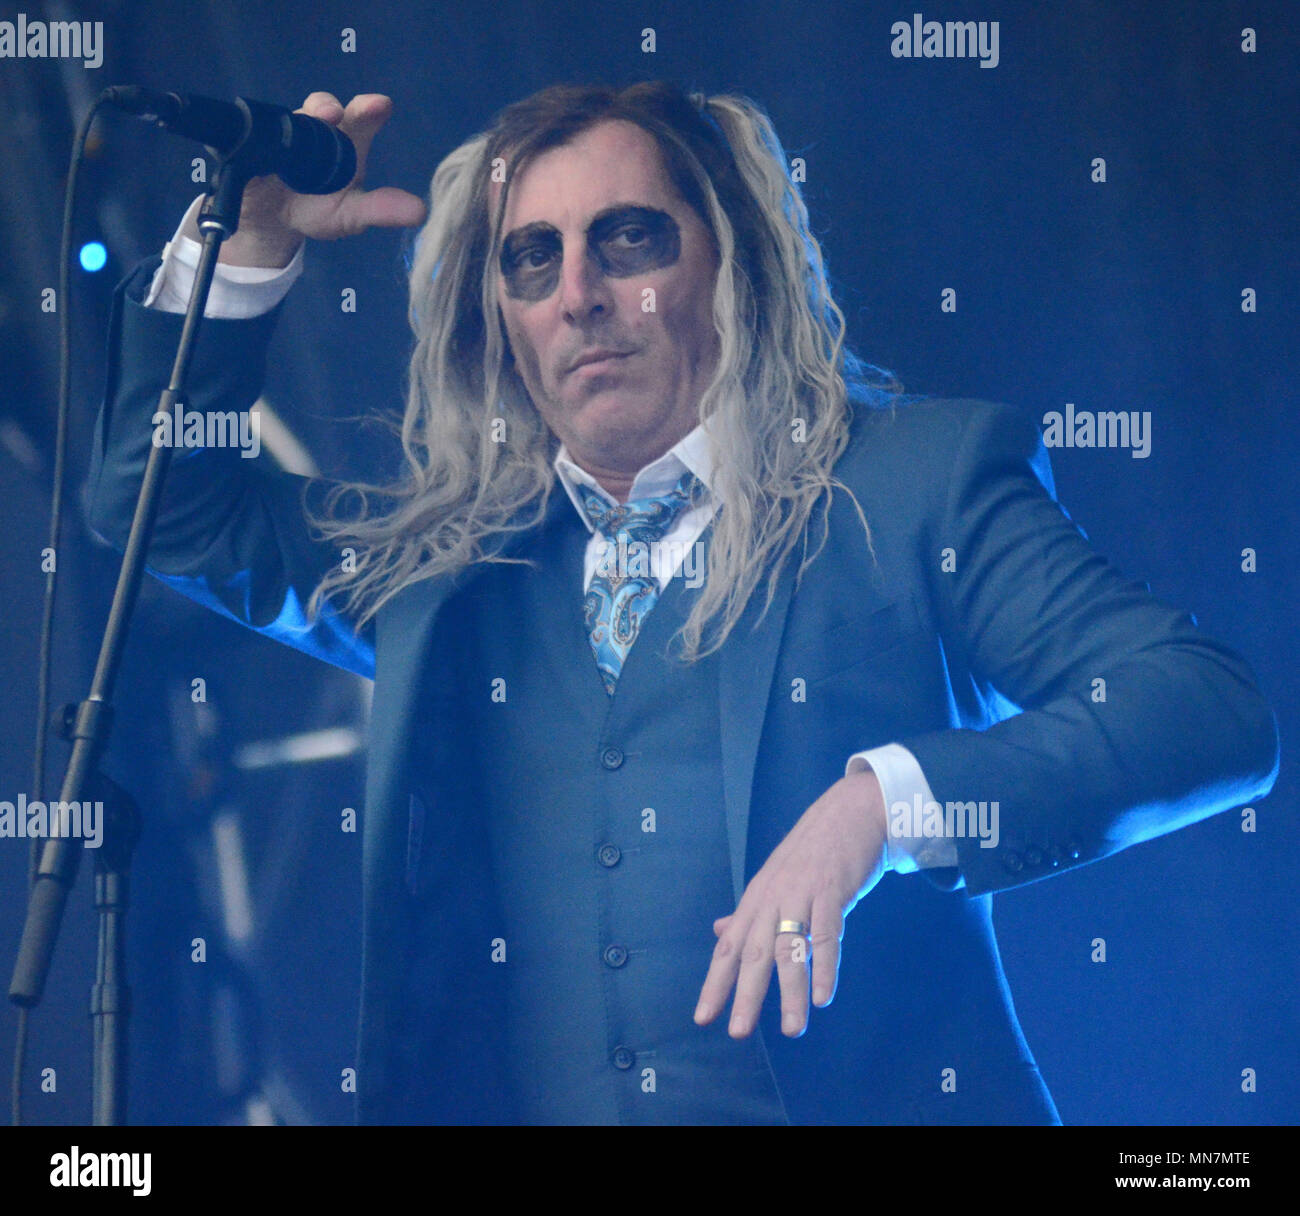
[601, 255]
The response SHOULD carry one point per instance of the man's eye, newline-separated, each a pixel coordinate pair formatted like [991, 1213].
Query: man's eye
[633, 236]
[533, 259]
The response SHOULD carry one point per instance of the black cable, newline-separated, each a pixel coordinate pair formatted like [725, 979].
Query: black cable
[63, 302]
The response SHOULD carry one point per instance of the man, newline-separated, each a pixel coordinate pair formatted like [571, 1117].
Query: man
[675, 619]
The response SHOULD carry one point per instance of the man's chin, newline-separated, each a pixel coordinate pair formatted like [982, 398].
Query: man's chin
[605, 413]
[616, 430]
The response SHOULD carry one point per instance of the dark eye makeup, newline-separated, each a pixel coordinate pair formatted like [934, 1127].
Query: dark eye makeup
[625, 240]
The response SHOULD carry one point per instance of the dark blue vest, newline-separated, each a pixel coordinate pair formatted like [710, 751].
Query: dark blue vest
[608, 845]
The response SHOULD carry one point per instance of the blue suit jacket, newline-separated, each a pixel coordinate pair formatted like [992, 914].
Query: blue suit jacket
[975, 635]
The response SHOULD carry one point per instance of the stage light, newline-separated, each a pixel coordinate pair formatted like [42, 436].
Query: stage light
[93, 256]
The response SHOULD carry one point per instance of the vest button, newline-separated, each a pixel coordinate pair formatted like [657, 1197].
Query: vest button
[624, 1057]
[614, 956]
[611, 757]
[608, 854]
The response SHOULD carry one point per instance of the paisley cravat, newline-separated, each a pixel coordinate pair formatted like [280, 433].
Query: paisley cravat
[623, 588]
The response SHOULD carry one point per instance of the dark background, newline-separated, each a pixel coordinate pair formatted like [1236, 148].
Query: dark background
[922, 174]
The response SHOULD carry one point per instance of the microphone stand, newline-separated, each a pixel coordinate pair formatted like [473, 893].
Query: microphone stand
[88, 723]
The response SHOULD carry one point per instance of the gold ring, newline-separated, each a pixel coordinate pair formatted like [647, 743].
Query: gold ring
[792, 926]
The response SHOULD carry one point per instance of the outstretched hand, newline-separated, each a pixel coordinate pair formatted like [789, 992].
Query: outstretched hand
[274, 220]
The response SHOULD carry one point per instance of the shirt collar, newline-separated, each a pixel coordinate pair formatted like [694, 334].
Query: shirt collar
[658, 477]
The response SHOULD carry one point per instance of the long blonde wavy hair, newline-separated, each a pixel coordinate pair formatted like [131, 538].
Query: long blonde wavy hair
[778, 406]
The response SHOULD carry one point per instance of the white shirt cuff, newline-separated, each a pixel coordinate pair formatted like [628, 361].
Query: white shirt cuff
[902, 784]
[238, 293]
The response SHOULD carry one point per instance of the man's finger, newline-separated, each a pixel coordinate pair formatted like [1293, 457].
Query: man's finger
[324, 106]
[722, 971]
[792, 951]
[385, 207]
[362, 118]
[754, 977]
[827, 933]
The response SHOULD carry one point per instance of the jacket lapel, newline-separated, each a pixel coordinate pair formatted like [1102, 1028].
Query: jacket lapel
[406, 625]
[747, 662]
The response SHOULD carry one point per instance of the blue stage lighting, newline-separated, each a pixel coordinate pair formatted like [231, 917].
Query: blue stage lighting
[93, 256]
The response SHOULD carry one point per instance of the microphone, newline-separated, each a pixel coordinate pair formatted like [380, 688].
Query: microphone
[308, 155]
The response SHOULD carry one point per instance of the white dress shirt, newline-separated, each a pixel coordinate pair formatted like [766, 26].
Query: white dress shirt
[243, 292]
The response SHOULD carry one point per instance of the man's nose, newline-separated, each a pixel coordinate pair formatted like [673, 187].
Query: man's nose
[584, 289]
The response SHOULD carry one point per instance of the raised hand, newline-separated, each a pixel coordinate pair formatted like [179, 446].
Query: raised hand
[274, 220]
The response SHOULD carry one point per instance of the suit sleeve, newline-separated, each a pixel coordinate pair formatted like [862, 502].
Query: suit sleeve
[1132, 721]
[231, 532]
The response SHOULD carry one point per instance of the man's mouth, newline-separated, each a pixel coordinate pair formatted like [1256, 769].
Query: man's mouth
[597, 359]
